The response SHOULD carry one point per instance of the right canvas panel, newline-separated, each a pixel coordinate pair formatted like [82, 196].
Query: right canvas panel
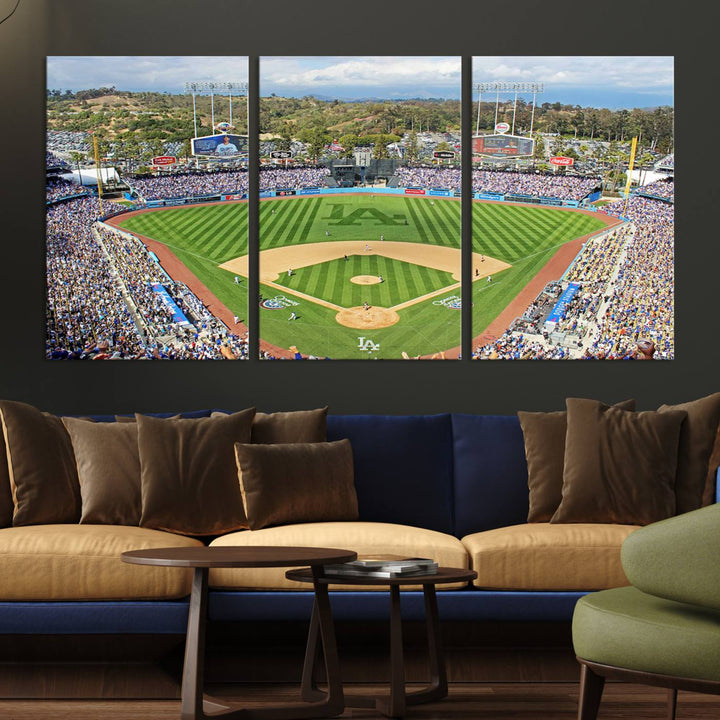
[573, 208]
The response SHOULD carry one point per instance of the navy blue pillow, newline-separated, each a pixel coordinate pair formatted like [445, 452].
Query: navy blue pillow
[403, 467]
[190, 414]
[491, 478]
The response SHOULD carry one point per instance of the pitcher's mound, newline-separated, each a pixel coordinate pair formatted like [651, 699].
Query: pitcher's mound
[374, 317]
[365, 279]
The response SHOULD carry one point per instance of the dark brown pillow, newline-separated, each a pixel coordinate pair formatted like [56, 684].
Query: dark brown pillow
[697, 438]
[297, 483]
[6, 500]
[108, 466]
[188, 473]
[619, 466]
[297, 426]
[544, 435]
[710, 491]
[41, 466]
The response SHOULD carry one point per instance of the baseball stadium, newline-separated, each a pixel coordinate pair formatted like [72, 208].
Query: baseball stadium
[360, 250]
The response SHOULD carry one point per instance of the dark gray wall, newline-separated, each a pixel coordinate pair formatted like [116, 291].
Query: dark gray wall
[280, 27]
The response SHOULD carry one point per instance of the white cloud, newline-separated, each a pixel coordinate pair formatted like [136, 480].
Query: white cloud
[391, 72]
[637, 73]
[159, 73]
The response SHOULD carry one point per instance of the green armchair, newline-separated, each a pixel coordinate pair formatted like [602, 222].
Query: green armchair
[664, 629]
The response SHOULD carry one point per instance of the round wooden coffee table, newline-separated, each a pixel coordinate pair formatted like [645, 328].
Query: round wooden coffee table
[193, 705]
[395, 704]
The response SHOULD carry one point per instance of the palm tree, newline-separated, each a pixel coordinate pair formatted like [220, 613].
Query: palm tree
[76, 157]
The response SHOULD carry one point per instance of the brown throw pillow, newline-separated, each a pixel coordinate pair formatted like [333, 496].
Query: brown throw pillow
[6, 500]
[297, 483]
[710, 491]
[697, 438]
[297, 426]
[108, 466]
[544, 435]
[619, 466]
[41, 466]
[188, 473]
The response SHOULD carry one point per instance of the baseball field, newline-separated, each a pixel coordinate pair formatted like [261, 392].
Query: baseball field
[361, 275]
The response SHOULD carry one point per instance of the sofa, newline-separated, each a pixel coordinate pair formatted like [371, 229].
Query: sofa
[453, 487]
[449, 486]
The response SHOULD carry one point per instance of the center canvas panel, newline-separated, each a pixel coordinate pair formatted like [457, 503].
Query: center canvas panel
[360, 208]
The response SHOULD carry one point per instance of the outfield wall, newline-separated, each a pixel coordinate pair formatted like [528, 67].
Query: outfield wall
[415, 191]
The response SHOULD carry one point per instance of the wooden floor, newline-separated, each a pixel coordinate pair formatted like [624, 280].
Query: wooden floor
[476, 701]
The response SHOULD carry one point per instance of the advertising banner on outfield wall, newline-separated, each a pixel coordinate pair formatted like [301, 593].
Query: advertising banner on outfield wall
[284, 192]
[414, 191]
[309, 191]
[440, 192]
[489, 196]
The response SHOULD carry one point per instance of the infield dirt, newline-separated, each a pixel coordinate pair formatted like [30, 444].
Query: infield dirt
[276, 261]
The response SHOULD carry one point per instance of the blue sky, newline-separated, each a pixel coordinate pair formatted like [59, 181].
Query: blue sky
[588, 81]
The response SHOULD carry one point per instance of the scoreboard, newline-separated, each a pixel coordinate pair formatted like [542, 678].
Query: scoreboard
[220, 147]
[503, 146]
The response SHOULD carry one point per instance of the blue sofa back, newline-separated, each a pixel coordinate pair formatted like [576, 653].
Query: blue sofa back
[403, 467]
[457, 474]
[491, 478]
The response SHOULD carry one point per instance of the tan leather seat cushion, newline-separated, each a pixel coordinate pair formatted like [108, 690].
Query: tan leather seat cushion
[544, 556]
[365, 538]
[82, 562]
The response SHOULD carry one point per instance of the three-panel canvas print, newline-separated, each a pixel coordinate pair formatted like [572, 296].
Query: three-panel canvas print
[360, 249]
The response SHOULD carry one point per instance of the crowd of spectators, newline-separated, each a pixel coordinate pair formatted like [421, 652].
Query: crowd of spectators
[86, 316]
[626, 294]
[100, 300]
[181, 185]
[300, 177]
[641, 305]
[440, 177]
[231, 182]
[660, 188]
[562, 187]
[56, 188]
[53, 161]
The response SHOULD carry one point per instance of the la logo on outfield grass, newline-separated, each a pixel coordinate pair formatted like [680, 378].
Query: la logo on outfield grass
[367, 345]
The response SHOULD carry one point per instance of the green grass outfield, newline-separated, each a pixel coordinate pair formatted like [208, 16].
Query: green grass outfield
[205, 236]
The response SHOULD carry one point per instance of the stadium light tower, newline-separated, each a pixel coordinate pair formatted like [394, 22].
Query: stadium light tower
[200, 88]
[508, 87]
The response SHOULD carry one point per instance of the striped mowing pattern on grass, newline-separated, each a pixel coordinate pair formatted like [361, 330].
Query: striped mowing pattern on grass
[213, 232]
[358, 217]
[330, 281]
[514, 232]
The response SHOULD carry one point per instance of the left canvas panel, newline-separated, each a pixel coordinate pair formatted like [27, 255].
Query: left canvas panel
[147, 184]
